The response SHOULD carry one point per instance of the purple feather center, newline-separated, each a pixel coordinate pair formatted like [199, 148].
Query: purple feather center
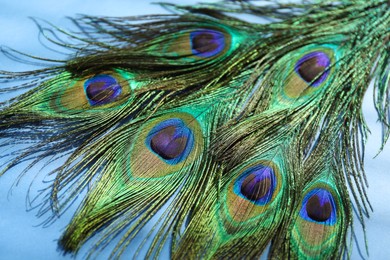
[206, 43]
[312, 67]
[102, 89]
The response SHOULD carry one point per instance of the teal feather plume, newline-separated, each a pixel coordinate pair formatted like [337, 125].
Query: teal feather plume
[240, 135]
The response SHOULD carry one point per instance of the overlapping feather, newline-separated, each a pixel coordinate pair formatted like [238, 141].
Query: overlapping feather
[250, 134]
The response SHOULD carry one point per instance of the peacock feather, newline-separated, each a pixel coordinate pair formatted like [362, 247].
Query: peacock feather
[201, 133]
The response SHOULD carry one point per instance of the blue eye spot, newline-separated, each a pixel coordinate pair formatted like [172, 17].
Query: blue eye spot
[172, 140]
[319, 206]
[206, 43]
[313, 66]
[102, 89]
[256, 184]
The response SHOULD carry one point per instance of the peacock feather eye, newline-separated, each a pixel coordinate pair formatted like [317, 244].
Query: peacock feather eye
[305, 72]
[171, 140]
[319, 206]
[198, 44]
[251, 191]
[94, 93]
[166, 145]
[102, 89]
[256, 184]
[319, 226]
[312, 67]
[207, 43]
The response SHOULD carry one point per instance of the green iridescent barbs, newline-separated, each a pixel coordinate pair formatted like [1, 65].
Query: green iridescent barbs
[240, 135]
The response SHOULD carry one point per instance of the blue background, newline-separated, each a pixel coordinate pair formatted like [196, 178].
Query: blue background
[19, 236]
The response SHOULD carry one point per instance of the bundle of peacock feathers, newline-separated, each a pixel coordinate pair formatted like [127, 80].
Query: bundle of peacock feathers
[233, 136]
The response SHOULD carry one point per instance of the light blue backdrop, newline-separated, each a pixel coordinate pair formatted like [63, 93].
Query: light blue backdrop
[19, 236]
